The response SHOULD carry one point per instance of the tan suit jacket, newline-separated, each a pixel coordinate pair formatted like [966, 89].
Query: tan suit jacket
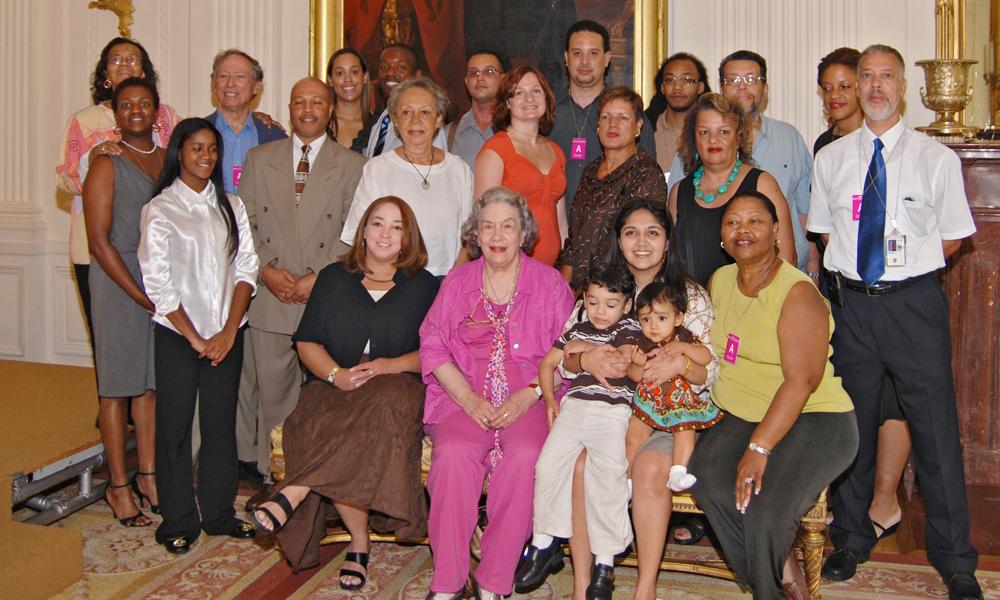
[299, 239]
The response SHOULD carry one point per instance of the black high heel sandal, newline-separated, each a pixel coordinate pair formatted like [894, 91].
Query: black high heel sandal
[282, 501]
[153, 508]
[355, 557]
[130, 521]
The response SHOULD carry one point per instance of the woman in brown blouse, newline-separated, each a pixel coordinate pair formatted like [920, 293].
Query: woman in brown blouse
[623, 175]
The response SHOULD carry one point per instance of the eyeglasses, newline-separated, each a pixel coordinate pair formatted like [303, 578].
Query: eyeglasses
[487, 72]
[735, 80]
[686, 81]
[124, 60]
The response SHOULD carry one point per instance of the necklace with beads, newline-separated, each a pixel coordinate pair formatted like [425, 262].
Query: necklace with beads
[708, 198]
[146, 152]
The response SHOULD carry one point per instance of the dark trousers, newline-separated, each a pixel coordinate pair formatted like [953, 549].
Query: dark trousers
[904, 336]
[181, 378]
[817, 448]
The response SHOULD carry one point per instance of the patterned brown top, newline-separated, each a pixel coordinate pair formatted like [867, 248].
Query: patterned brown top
[596, 206]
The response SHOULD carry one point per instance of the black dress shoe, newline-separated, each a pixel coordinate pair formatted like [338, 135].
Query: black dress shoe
[536, 564]
[602, 582]
[178, 545]
[963, 586]
[249, 473]
[843, 564]
[241, 530]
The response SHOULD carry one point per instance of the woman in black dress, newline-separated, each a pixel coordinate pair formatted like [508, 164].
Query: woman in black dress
[352, 445]
[716, 150]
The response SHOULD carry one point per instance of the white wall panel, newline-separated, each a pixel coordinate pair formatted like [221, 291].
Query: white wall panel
[793, 35]
[12, 317]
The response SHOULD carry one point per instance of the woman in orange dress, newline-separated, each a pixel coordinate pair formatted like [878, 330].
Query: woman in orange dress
[520, 158]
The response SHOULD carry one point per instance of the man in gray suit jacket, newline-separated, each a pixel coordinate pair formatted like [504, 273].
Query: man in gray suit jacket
[297, 194]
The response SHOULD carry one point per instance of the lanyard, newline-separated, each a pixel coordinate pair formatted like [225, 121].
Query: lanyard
[868, 181]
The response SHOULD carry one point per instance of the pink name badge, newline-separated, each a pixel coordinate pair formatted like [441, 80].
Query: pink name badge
[856, 207]
[578, 148]
[732, 348]
[237, 171]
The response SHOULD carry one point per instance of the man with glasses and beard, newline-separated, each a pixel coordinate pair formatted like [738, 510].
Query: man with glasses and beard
[890, 206]
[683, 78]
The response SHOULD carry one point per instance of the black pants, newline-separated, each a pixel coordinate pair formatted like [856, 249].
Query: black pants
[904, 336]
[181, 378]
[817, 448]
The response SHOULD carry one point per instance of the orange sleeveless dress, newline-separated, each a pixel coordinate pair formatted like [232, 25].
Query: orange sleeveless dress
[541, 190]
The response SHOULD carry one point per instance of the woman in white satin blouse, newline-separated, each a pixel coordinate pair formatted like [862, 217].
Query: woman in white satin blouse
[200, 270]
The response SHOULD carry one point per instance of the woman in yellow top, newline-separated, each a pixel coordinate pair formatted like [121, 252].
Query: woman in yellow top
[790, 427]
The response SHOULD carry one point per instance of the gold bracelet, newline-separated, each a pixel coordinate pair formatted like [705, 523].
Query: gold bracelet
[687, 367]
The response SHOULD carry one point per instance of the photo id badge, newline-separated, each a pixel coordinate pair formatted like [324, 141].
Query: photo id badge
[732, 348]
[895, 250]
[237, 171]
[578, 148]
[856, 207]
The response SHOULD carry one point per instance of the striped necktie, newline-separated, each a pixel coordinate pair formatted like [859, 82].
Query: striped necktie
[301, 174]
[871, 224]
[383, 129]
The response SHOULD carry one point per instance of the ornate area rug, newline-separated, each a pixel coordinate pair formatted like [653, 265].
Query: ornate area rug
[127, 563]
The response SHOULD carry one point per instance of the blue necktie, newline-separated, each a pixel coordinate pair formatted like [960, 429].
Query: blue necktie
[871, 225]
[383, 128]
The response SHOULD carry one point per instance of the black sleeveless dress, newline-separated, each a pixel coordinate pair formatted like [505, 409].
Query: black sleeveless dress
[698, 234]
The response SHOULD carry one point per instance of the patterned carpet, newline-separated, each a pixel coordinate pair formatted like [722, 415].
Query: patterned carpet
[127, 563]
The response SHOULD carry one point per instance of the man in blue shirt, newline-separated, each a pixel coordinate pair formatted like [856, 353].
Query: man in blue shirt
[237, 79]
[778, 147]
[466, 137]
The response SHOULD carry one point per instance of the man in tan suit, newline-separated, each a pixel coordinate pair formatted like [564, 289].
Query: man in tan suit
[297, 194]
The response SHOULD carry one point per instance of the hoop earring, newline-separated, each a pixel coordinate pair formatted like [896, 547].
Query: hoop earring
[117, 130]
[722, 245]
[107, 84]
[156, 127]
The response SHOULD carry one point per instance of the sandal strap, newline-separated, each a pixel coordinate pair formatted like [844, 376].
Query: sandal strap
[275, 524]
[282, 501]
[357, 557]
[146, 474]
[119, 485]
[353, 573]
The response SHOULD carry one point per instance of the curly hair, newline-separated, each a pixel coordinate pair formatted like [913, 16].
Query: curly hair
[98, 92]
[470, 229]
[688, 149]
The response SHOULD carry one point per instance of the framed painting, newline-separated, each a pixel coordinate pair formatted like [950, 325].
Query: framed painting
[524, 31]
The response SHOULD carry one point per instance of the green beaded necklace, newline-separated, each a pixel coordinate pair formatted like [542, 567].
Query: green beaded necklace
[708, 198]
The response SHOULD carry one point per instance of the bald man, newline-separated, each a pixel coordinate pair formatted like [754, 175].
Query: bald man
[297, 194]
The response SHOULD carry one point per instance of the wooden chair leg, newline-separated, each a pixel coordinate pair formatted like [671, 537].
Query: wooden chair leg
[813, 539]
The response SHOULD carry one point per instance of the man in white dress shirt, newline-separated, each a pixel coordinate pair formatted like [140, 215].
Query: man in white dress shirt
[890, 204]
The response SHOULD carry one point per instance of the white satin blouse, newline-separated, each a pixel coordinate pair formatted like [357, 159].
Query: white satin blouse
[184, 259]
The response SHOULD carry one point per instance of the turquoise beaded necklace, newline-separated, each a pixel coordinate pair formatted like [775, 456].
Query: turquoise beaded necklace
[708, 198]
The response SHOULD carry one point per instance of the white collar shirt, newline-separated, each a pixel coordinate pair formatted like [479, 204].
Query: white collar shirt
[184, 257]
[925, 198]
[314, 148]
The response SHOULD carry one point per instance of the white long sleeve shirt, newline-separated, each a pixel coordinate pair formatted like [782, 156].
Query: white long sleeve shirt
[184, 257]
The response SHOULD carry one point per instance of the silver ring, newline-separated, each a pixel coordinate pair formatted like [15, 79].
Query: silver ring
[506, 415]
[483, 419]
[748, 480]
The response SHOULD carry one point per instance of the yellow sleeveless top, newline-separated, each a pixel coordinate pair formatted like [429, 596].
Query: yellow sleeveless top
[747, 386]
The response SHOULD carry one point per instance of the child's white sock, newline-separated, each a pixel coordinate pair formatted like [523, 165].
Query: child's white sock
[629, 482]
[605, 559]
[541, 541]
[680, 479]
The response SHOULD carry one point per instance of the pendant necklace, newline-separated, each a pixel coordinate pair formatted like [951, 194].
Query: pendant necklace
[424, 183]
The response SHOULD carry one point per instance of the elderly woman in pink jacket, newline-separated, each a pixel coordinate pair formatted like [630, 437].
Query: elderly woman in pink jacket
[481, 344]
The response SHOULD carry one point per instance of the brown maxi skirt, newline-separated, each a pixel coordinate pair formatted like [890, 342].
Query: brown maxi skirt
[360, 448]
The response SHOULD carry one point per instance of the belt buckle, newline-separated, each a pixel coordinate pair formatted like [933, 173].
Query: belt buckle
[871, 290]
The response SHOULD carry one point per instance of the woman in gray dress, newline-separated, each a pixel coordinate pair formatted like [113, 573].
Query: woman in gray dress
[116, 189]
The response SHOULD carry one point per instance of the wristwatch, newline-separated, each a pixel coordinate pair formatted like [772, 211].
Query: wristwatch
[332, 375]
[536, 388]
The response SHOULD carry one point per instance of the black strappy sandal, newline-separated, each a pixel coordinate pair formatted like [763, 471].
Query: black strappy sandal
[143, 498]
[276, 524]
[356, 557]
[130, 521]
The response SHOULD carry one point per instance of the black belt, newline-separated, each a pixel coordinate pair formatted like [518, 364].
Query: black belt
[882, 288]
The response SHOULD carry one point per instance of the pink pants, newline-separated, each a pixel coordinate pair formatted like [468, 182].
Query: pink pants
[459, 465]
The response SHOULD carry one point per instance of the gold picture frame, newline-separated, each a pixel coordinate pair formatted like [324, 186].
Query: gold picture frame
[326, 35]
